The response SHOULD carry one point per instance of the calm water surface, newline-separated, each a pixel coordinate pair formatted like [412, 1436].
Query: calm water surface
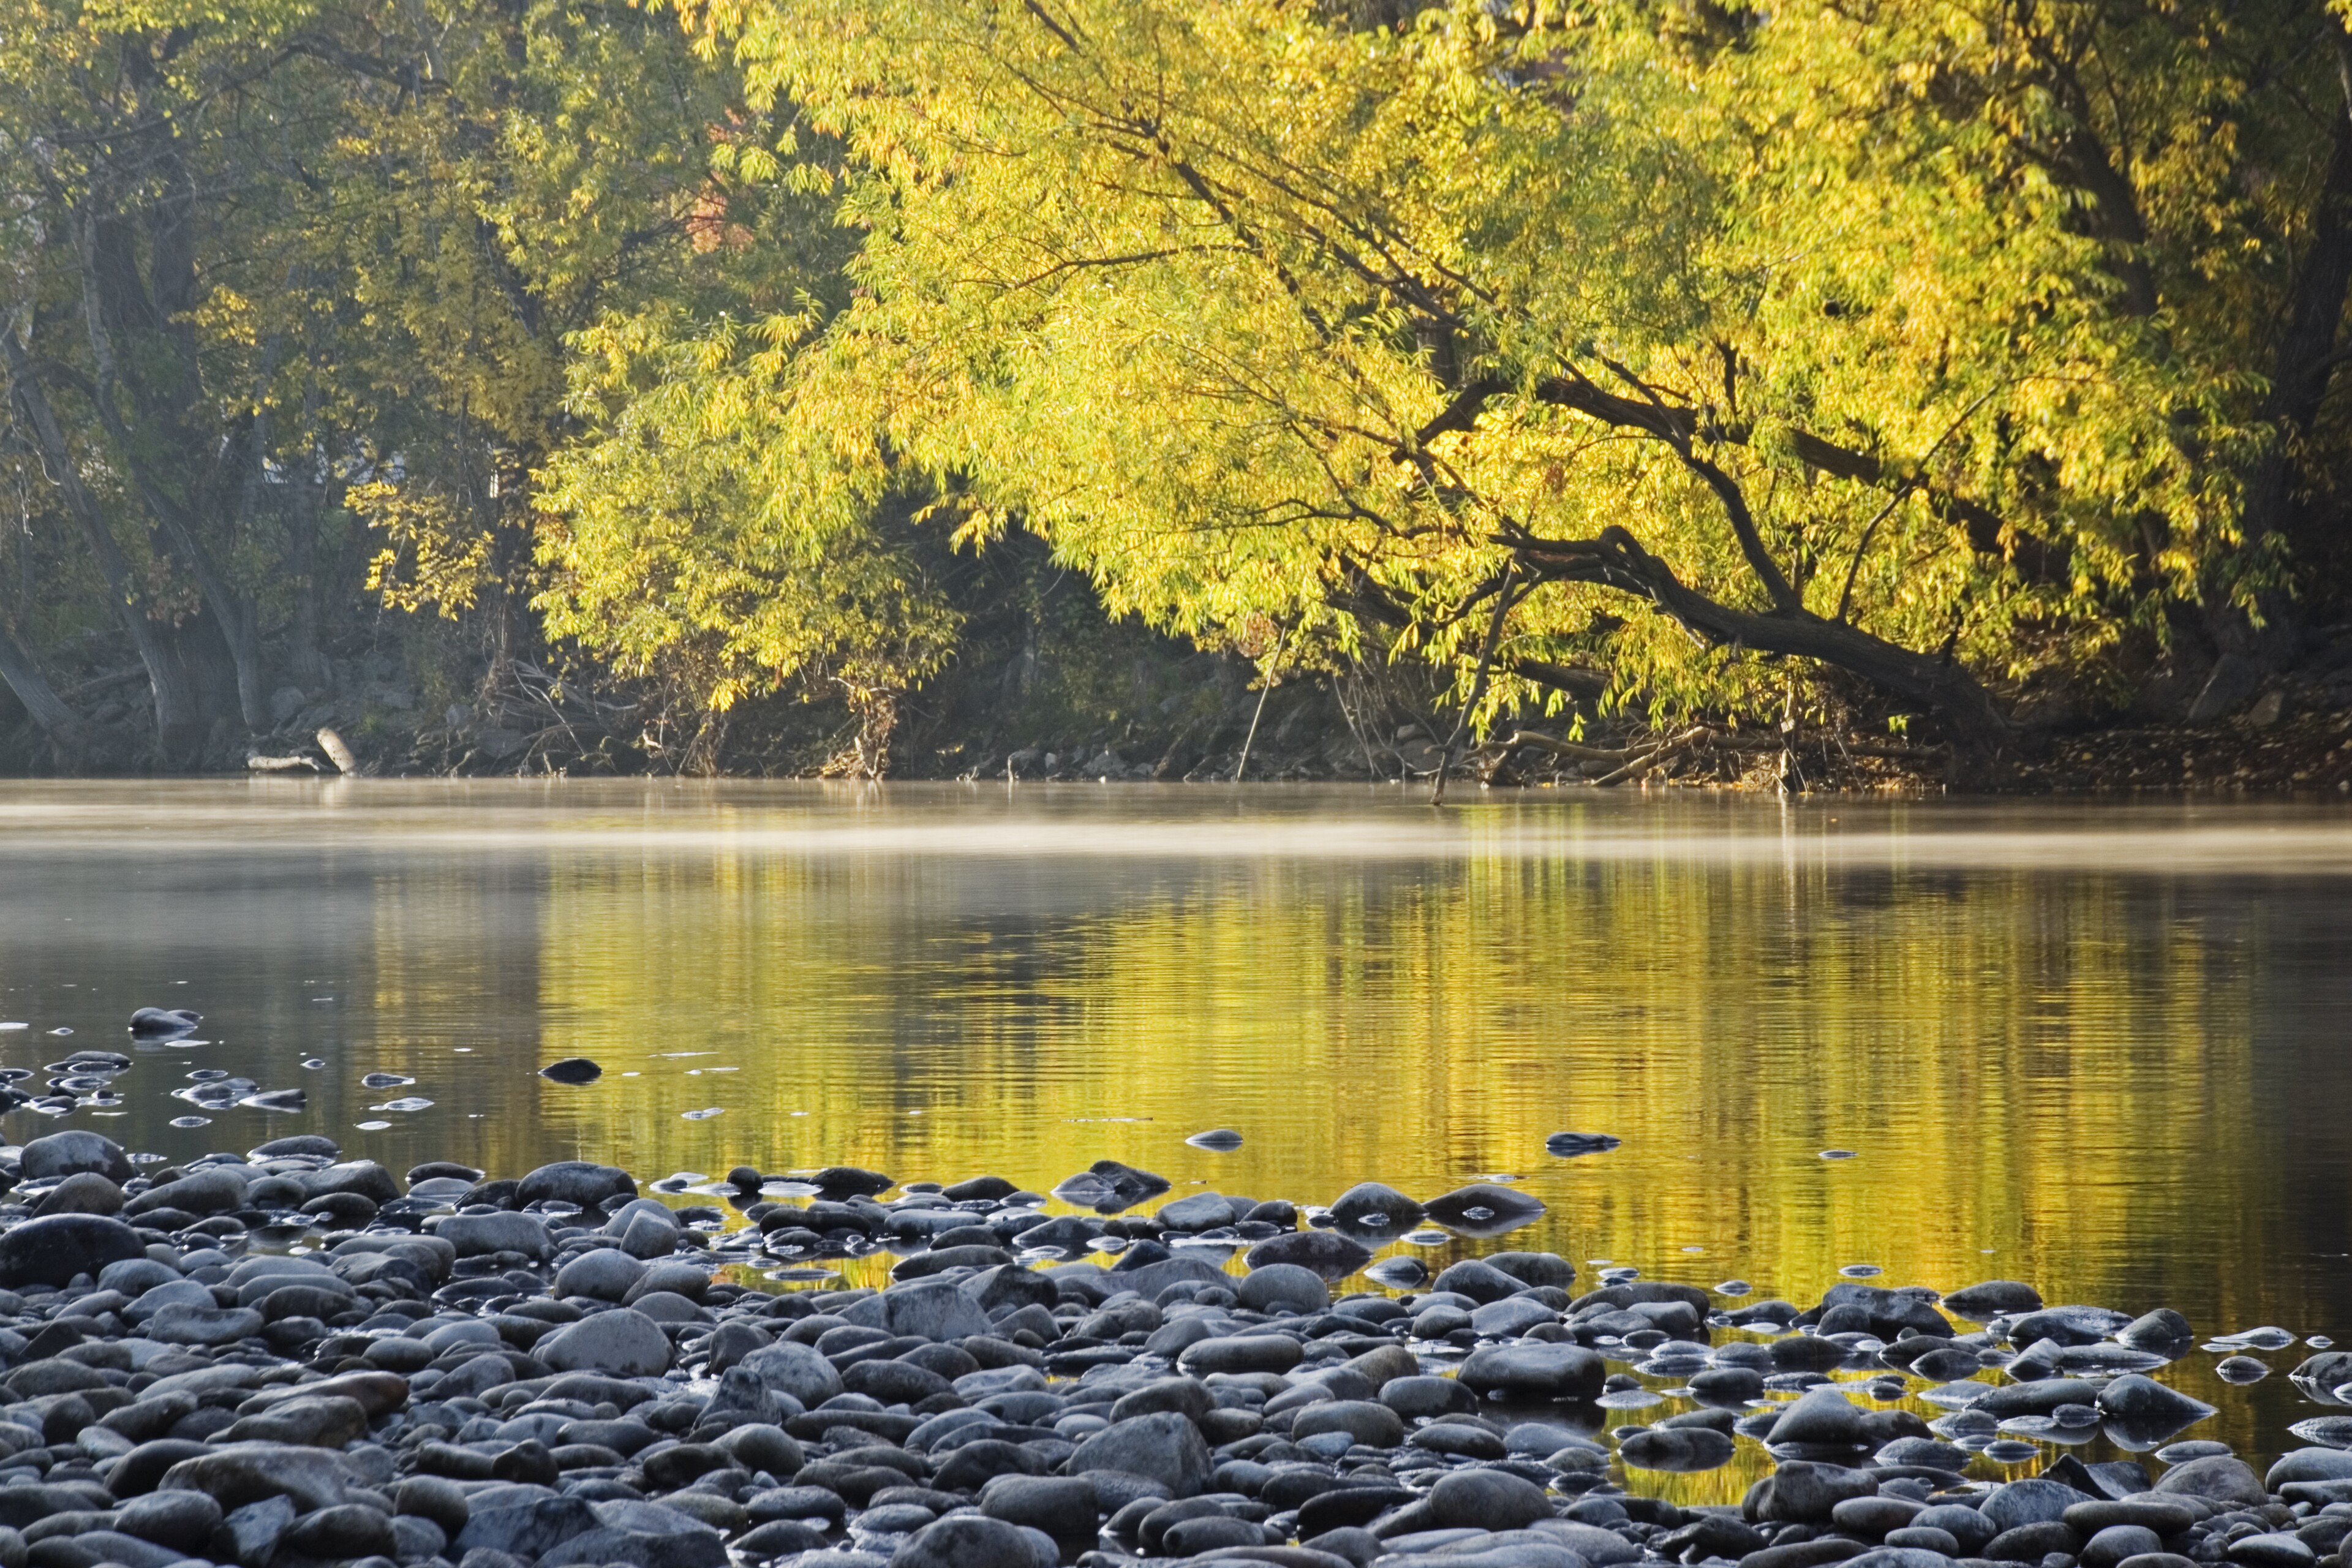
[2101, 1048]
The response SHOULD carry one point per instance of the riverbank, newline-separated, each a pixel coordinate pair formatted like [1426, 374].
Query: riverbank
[288, 1357]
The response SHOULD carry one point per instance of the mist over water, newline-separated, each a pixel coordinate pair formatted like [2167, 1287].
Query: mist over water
[2101, 1048]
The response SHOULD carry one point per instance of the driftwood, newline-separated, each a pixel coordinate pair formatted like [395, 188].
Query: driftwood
[260, 764]
[336, 752]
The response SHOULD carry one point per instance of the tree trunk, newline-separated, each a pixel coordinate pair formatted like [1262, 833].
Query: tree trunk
[235, 611]
[2300, 371]
[1979, 735]
[67, 731]
[179, 718]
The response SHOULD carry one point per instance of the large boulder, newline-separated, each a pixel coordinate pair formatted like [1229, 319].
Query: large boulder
[53, 1249]
[927, 1309]
[1533, 1372]
[1164, 1448]
[622, 1342]
[242, 1473]
[1326, 1253]
[578, 1181]
[2221, 1478]
[66, 1153]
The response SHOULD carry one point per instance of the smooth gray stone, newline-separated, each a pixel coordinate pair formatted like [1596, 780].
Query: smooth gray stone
[1533, 1372]
[622, 1342]
[1825, 1416]
[2035, 1501]
[577, 1182]
[926, 1309]
[970, 1541]
[2220, 1478]
[55, 1248]
[1373, 1425]
[797, 1370]
[606, 1273]
[477, 1234]
[61, 1154]
[1283, 1285]
[1165, 1447]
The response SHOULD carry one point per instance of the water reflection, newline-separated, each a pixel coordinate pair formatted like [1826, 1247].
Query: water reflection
[2097, 1048]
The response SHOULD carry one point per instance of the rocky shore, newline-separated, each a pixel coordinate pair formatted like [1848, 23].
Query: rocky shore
[286, 1358]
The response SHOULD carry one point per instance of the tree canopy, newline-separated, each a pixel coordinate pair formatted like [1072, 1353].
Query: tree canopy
[1903, 361]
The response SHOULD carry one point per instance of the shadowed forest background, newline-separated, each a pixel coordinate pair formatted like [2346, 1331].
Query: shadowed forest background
[1112, 388]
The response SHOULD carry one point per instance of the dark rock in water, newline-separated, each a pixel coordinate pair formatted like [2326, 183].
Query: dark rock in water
[1992, 1299]
[1570, 1144]
[1107, 1187]
[1327, 1253]
[1677, 1448]
[981, 1189]
[1371, 1206]
[1164, 1448]
[839, 1182]
[1536, 1269]
[972, 1541]
[2145, 1406]
[308, 1145]
[62, 1155]
[86, 1192]
[52, 1250]
[277, 1099]
[578, 1181]
[1533, 1372]
[163, 1023]
[439, 1170]
[572, 1069]
[2163, 1331]
[1221, 1141]
[2220, 1478]
[1484, 1209]
[1403, 1274]
[2241, 1369]
[2324, 1373]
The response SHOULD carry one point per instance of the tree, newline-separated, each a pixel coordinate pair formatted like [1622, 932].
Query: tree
[1702, 345]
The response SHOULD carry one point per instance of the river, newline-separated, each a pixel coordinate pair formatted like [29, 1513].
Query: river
[2103, 1048]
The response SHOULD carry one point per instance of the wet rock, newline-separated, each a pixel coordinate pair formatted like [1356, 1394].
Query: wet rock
[970, 1540]
[2309, 1465]
[1221, 1140]
[524, 1521]
[1678, 1449]
[1165, 1447]
[572, 1069]
[1324, 1253]
[86, 1192]
[2217, 1478]
[1484, 1209]
[1568, 1145]
[244, 1473]
[1824, 1417]
[2027, 1502]
[1992, 1299]
[622, 1342]
[797, 1370]
[1524, 1372]
[478, 1234]
[576, 1181]
[341, 1533]
[1242, 1353]
[645, 1534]
[1281, 1285]
[66, 1153]
[163, 1023]
[53, 1249]
[1371, 1206]
[1201, 1211]
[2145, 1405]
[606, 1273]
[1109, 1187]
[2163, 1331]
